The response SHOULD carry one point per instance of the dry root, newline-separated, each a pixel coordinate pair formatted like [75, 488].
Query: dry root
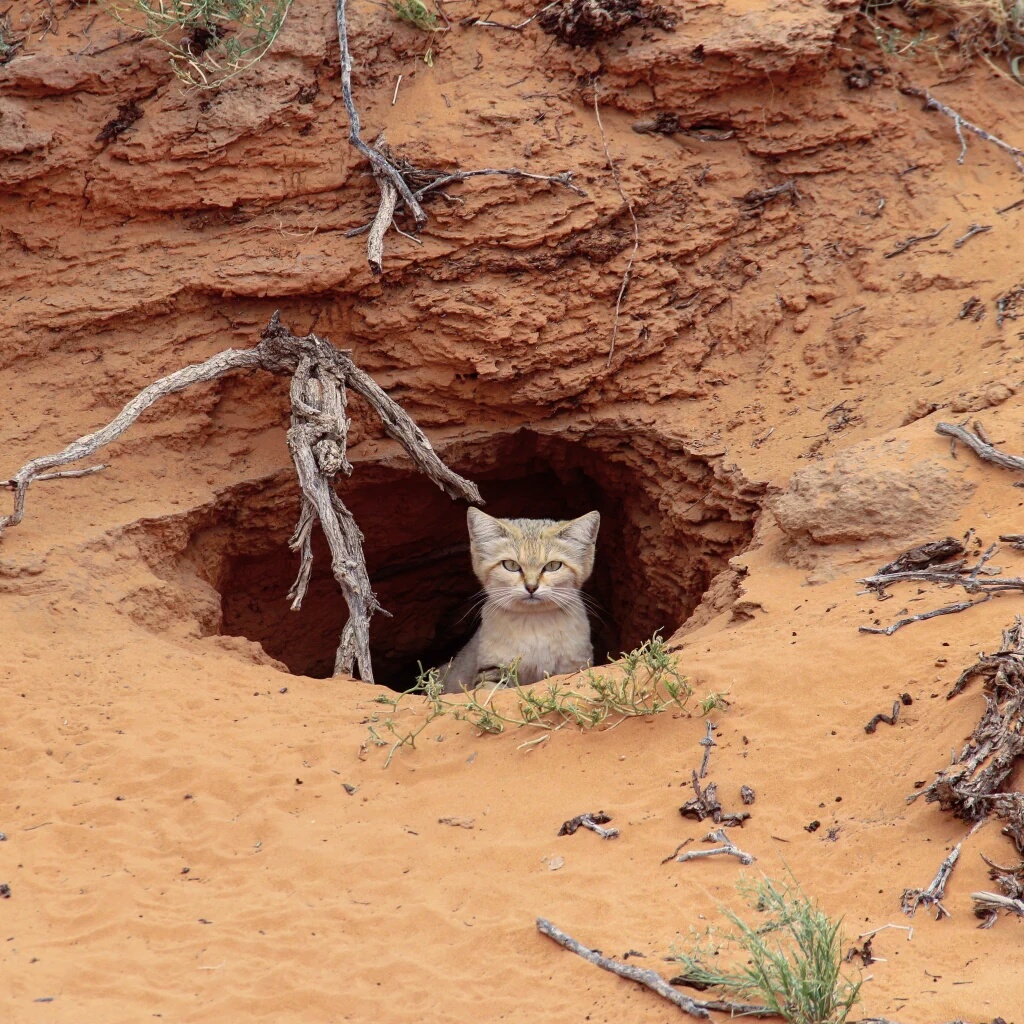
[320, 374]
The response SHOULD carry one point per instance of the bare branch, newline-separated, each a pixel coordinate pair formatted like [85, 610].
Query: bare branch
[960, 122]
[214, 367]
[932, 895]
[980, 448]
[628, 273]
[385, 215]
[988, 904]
[381, 166]
[904, 246]
[728, 848]
[316, 440]
[948, 609]
[66, 474]
[649, 979]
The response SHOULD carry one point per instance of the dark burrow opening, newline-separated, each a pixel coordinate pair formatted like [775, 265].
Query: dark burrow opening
[656, 552]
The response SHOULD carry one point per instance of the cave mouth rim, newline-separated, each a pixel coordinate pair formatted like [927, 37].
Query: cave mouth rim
[616, 481]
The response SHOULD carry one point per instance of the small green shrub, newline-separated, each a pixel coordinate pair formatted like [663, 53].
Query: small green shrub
[416, 13]
[210, 41]
[645, 682]
[790, 960]
[975, 28]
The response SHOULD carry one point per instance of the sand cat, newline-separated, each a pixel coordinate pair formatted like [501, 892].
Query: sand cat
[533, 613]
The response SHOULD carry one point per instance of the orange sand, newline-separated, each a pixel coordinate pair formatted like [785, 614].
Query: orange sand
[179, 841]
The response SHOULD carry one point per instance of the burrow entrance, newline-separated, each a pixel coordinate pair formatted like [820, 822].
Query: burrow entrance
[656, 553]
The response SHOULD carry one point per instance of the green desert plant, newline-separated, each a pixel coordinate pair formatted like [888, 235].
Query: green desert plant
[416, 13]
[645, 682]
[976, 28]
[209, 41]
[790, 959]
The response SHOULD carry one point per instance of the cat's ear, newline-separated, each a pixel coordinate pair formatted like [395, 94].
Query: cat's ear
[484, 529]
[582, 531]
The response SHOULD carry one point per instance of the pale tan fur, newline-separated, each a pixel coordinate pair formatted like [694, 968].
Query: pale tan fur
[534, 613]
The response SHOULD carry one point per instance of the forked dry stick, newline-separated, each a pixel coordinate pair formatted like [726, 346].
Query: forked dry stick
[320, 373]
[960, 123]
[387, 172]
[698, 1008]
[935, 892]
[382, 167]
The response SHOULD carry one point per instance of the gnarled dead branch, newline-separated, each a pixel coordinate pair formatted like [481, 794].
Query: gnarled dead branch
[393, 176]
[317, 439]
[960, 123]
[979, 446]
[649, 979]
[933, 894]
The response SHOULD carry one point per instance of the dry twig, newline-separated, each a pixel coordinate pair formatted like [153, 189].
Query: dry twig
[320, 373]
[983, 450]
[932, 895]
[698, 1008]
[904, 246]
[952, 574]
[707, 743]
[974, 229]
[890, 719]
[960, 123]
[67, 474]
[518, 27]
[728, 847]
[948, 609]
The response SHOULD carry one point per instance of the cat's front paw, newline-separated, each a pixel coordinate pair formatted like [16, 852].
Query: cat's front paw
[490, 675]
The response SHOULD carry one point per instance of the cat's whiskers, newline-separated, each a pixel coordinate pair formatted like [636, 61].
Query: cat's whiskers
[532, 611]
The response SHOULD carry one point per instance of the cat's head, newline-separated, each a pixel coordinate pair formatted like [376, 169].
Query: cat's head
[532, 564]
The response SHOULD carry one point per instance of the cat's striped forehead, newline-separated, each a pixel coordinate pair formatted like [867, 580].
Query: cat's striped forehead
[533, 542]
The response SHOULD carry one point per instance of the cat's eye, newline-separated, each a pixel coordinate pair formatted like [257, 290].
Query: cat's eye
[510, 565]
[552, 566]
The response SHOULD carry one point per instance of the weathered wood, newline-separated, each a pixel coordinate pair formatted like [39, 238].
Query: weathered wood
[381, 166]
[728, 848]
[317, 442]
[649, 979]
[933, 894]
[980, 448]
[214, 367]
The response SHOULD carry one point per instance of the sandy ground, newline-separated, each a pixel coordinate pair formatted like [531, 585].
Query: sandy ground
[193, 833]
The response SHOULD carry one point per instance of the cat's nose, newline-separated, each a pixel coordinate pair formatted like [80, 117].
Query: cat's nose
[531, 588]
